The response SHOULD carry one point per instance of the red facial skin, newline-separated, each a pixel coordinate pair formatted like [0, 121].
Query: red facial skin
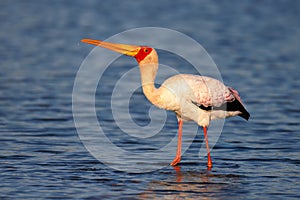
[143, 52]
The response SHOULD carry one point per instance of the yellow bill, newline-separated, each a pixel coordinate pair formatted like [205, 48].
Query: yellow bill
[129, 50]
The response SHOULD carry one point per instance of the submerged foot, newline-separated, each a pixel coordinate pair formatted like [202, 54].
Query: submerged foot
[175, 161]
[209, 164]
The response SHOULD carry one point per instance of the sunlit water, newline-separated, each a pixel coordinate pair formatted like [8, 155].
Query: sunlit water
[255, 45]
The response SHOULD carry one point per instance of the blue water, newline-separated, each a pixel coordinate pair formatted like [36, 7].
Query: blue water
[255, 45]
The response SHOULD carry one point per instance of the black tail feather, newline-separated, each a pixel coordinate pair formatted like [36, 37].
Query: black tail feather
[235, 105]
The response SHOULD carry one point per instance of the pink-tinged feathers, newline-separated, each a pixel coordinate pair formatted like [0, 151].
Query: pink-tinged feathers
[202, 90]
[199, 98]
[235, 94]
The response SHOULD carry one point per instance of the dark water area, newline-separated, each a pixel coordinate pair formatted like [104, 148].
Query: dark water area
[255, 45]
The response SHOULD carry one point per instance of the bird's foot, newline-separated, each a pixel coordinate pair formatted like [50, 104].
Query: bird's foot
[209, 167]
[175, 161]
[209, 164]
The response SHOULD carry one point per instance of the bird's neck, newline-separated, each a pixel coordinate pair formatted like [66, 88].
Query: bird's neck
[148, 74]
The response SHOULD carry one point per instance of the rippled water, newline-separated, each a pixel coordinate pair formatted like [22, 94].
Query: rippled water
[255, 45]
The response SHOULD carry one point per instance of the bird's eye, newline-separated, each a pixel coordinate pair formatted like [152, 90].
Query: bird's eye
[146, 50]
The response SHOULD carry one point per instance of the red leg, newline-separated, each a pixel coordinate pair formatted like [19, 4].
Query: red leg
[209, 162]
[178, 153]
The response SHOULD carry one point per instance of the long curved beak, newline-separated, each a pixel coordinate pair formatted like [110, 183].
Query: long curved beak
[129, 50]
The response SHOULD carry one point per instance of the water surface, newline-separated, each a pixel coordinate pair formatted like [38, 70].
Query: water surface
[255, 45]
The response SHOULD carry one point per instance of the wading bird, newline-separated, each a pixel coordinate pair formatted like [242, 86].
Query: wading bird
[192, 97]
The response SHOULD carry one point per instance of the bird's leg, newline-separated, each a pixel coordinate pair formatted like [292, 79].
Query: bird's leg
[209, 162]
[178, 153]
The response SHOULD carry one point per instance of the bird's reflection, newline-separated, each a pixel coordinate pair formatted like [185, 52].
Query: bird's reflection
[189, 184]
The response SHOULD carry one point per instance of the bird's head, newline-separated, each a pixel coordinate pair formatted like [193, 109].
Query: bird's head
[143, 54]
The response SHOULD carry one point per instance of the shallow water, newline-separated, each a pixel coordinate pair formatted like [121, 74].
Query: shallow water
[255, 46]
